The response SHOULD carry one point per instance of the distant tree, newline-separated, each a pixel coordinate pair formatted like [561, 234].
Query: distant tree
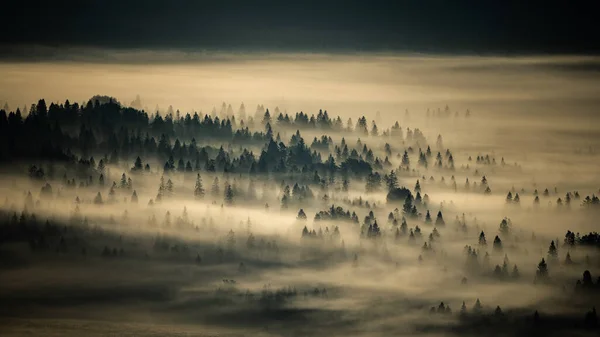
[552, 252]
[134, 197]
[230, 240]
[198, 189]
[301, 215]
[98, 199]
[482, 241]
[498, 272]
[251, 241]
[215, 190]
[568, 260]
[399, 194]
[477, 308]
[123, 181]
[463, 309]
[439, 221]
[587, 280]
[229, 195]
[405, 159]
[169, 188]
[497, 243]
[392, 181]
[428, 218]
[137, 166]
[541, 275]
[505, 226]
[515, 273]
[345, 185]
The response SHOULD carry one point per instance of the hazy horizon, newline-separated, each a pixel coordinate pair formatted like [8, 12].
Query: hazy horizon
[299, 170]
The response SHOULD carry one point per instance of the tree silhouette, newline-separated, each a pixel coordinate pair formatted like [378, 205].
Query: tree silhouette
[541, 275]
[98, 199]
[482, 241]
[229, 195]
[497, 243]
[439, 221]
[198, 189]
[552, 252]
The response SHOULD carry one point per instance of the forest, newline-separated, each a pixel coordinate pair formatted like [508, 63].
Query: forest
[243, 220]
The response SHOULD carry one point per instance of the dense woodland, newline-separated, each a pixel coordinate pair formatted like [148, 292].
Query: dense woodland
[231, 198]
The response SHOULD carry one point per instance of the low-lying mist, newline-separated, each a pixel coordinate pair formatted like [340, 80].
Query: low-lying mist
[464, 202]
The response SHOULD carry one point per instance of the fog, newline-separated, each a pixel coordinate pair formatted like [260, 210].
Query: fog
[156, 253]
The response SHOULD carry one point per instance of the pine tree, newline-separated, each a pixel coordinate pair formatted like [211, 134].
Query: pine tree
[198, 190]
[482, 241]
[552, 253]
[405, 159]
[428, 217]
[215, 190]
[568, 259]
[98, 199]
[515, 273]
[407, 207]
[541, 275]
[229, 195]
[137, 166]
[439, 221]
[505, 226]
[497, 243]
[392, 181]
[169, 188]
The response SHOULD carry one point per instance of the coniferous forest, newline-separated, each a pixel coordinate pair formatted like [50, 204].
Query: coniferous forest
[299, 168]
[265, 221]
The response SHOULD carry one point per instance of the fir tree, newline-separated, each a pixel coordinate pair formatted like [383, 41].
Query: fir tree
[198, 190]
[439, 221]
[541, 274]
[229, 195]
[497, 243]
[482, 241]
[552, 252]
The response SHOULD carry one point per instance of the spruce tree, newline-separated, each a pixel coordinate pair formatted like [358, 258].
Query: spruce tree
[198, 190]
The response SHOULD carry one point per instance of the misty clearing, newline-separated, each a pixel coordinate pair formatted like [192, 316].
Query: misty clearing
[325, 196]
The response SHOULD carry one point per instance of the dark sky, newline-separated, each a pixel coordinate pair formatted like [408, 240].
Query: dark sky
[484, 26]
